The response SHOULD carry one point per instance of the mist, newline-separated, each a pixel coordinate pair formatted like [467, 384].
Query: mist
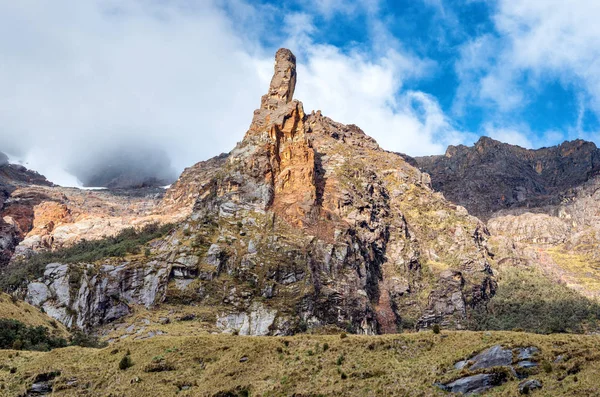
[89, 82]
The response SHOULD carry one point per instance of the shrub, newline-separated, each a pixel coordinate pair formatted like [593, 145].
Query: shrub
[16, 335]
[343, 335]
[125, 363]
[325, 346]
[340, 359]
[82, 339]
[436, 329]
[547, 367]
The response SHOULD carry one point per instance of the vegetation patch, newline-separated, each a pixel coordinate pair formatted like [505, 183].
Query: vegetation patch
[395, 365]
[526, 300]
[18, 336]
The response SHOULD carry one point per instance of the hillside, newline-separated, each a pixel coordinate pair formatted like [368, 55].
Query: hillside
[541, 206]
[29, 315]
[305, 365]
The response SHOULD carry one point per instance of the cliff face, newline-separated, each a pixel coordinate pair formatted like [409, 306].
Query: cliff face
[562, 241]
[305, 223]
[14, 215]
[492, 176]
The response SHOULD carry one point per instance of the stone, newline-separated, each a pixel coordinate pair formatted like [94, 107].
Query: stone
[40, 389]
[527, 353]
[526, 364]
[37, 293]
[213, 256]
[474, 384]
[527, 386]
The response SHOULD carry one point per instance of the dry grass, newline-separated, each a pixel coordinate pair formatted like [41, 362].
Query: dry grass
[391, 365]
[580, 272]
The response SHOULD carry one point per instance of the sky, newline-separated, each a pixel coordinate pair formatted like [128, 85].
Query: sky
[176, 81]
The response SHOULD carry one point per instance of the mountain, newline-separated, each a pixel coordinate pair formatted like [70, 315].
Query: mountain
[492, 176]
[305, 223]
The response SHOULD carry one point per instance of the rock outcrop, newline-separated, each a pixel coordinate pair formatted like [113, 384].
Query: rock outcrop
[85, 296]
[493, 367]
[14, 216]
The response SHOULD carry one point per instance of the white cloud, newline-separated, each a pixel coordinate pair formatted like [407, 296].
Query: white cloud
[79, 78]
[354, 89]
[537, 40]
[509, 135]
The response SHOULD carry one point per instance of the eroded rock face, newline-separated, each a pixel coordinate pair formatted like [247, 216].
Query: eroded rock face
[85, 296]
[258, 321]
[15, 216]
[49, 218]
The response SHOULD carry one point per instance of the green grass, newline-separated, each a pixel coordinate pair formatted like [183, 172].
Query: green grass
[128, 241]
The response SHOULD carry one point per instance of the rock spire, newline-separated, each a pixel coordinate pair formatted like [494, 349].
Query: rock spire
[283, 83]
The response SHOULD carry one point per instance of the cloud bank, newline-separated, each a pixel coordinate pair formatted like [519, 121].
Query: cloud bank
[84, 81]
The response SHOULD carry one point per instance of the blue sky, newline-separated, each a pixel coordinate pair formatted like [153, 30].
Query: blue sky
[554, 105]
[179, 79]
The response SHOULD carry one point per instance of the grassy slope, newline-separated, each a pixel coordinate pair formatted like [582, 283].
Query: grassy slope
[29, 315]
[391, 365]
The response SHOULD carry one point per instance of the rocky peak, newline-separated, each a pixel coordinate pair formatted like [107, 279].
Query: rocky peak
[283, 82]
[492, 176]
